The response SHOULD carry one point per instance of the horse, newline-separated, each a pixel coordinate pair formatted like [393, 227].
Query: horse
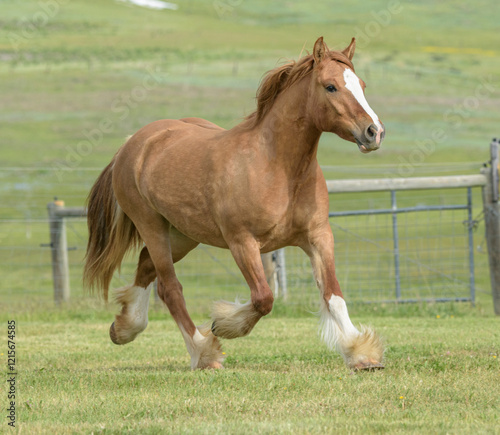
[251, 189]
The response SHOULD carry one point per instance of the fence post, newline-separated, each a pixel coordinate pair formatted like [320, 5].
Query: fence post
[281, 265]
[275, 270]
[395, 236]
[470, 228]
[492, 223]
[59, 249]
[269, 270]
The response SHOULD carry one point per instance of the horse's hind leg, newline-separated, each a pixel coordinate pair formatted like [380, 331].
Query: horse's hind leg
[166, 245]
[134, 299]
[232, 320]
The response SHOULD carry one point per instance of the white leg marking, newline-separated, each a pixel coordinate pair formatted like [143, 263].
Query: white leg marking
[133, 318]
[352, 83]
[359, 349]
[336, 326]
[138, 306]
[234, 319]
[193, 345]
[204, 349]
[139, 309]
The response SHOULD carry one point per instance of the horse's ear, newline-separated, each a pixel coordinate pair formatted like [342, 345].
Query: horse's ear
[349, 50]
[319, 50]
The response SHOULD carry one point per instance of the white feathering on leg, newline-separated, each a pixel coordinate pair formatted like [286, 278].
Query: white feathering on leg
[364, 349]
[336, 326]
[234, 319]
[133, 318]
[338, 332]
[204, 348]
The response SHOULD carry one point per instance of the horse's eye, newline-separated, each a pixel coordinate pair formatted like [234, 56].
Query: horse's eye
[331, 88]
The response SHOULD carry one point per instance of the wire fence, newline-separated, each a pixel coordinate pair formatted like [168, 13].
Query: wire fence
[433, 257]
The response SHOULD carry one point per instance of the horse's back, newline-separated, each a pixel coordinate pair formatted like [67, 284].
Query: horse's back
[201, 123]
[173, 126]
[168, 140]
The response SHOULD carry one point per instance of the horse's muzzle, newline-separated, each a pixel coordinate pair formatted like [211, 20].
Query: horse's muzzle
[372, 138]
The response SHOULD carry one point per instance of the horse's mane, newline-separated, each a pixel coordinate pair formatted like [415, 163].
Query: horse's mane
[280, 79]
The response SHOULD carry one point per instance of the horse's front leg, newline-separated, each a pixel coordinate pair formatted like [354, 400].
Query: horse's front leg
[360, 349]
[234, 319]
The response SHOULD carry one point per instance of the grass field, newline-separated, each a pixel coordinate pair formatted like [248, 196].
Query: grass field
[67, 67]
[440, 378]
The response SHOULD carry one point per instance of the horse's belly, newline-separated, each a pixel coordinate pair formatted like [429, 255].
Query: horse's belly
[217, 220]
[195, 224]
[188, 211]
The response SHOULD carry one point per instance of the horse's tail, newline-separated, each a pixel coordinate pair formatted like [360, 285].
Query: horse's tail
[111, 234]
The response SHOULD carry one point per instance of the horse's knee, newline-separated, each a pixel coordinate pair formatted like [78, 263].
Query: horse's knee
[263, 303]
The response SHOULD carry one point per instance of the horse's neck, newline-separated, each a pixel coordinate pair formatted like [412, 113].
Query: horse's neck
[288, 132]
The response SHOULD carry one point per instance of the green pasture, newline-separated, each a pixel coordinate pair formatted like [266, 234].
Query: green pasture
[77, 77]
[440, 378]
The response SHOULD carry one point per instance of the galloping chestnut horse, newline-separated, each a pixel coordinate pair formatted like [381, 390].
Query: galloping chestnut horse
[251, 189]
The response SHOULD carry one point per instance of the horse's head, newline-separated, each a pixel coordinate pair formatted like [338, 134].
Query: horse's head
[338, 100]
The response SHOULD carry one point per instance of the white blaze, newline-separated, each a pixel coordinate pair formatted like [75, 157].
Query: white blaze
[352, 83]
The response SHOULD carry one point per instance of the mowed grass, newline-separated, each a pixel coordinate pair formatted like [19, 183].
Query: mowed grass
[440, 377]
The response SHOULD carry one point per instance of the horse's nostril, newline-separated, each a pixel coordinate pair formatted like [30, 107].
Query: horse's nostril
[371, 132]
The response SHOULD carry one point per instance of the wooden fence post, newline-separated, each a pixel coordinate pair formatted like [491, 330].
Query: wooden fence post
[492, 223]
[275, 270]
[282, 281]
[59, 249]
[269, 269]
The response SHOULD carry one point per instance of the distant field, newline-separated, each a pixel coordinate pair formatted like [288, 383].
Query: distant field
[59, 80]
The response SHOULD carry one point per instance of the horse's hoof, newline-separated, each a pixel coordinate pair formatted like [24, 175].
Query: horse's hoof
[112, 334]
[215, 365]
[369, 365]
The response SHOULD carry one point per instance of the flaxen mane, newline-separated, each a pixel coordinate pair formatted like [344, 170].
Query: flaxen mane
[281, 78]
